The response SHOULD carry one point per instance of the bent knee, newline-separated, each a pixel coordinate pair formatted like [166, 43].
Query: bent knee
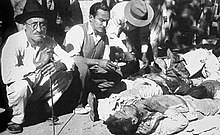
[83, 68]
[18, 88]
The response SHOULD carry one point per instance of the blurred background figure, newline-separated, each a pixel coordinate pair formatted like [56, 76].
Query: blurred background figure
[7, 24]
[74, 15]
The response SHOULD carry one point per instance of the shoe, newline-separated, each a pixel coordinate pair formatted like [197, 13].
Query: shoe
[81, 110]
[88, 107]
[93, 103]
[50, 119]
[14, 128]
[48, 110]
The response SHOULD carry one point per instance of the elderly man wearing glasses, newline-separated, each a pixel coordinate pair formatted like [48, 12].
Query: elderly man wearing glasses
[32, 64]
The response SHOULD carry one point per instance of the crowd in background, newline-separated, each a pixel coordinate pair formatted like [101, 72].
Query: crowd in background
[137, 47]
[197, 17]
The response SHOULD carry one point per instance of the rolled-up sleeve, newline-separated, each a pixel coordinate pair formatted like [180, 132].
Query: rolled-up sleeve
[64, 57]
[112, 32]
[74, 40]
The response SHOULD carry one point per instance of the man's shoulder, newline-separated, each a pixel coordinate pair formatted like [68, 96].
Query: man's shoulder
[117, 12]
[77, 27]
[17, 35]
[119, 6]
[16, 39]
[77, 30]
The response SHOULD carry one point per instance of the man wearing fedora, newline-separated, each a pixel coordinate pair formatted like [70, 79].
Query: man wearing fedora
[128, 29]
[33, 65]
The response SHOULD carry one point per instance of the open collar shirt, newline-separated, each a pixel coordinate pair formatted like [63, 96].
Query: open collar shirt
[19, 57]
[75, 37]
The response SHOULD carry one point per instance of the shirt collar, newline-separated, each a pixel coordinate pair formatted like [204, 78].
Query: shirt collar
[25, 39]
[92, 32]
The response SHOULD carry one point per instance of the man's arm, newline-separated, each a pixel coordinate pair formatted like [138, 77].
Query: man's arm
[161, 103]
[74, 40]
[146, 48]
[73, 43]
[104, 63]
[12, 62]
[151, 105]
[64, 57]
[113, 28]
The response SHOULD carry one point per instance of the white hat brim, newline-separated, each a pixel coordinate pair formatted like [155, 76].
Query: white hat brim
[138, 22]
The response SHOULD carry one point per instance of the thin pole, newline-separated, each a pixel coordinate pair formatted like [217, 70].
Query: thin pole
[66, 123]
[51, 92]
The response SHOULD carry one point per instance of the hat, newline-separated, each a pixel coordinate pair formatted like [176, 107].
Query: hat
[32, 9]
[139, 13]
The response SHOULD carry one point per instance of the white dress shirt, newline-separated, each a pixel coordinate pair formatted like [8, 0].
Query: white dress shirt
[19, 57]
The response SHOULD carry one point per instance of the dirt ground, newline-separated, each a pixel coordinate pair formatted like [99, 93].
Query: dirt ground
[69, 123]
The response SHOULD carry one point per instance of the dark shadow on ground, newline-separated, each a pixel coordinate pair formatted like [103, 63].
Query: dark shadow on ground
[3, 104]
[36, 113]
[3, 121]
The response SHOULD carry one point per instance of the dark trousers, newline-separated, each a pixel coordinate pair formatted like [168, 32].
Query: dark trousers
[91, 77]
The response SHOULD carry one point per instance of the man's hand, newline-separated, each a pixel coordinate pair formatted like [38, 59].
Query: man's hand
[52, 67]
[145, 61]
[33, 78]
[129, 57]
[107, 64]
[105, 85]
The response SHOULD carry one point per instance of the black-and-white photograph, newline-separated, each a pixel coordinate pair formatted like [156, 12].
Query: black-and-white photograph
[110, 67]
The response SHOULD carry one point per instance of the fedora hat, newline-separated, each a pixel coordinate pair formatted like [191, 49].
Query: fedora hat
[32, 9]
[139, 13]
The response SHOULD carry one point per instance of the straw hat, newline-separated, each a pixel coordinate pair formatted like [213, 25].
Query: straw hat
[139, 13]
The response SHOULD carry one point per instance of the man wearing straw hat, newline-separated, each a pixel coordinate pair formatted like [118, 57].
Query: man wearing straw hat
[33, 65]
[128, 30]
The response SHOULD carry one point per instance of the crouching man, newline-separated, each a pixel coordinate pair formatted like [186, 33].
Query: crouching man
[31, 63]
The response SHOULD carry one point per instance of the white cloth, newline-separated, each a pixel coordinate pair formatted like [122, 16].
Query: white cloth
[202, 59]
[140, 88]
[117, 18]
[207, 126]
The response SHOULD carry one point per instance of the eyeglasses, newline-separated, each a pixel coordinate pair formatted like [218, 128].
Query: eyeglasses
[35, 25]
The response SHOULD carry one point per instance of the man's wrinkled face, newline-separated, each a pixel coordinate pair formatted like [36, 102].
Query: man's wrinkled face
[99, 22]
[36, 29]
